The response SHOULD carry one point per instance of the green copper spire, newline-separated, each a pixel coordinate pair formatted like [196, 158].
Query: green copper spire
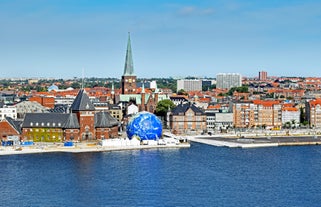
[129, 66]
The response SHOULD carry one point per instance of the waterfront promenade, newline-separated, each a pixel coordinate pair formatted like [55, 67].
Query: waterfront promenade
[79, 148]
[253, 139]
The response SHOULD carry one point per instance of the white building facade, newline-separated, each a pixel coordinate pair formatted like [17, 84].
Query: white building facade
[189, 85]
[228, 80]
[8, 111]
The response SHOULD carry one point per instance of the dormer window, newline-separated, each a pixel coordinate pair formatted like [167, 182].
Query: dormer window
[48, 124]
[37, 124]
[42, 124]
[31, 124]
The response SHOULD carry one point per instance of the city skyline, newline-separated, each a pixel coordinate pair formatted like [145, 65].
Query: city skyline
[170, 38]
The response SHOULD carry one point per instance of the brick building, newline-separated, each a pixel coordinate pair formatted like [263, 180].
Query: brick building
[313, 113]
[187, 118]
[257, 113]
[83, 123]
[45, 101]
[9, 127]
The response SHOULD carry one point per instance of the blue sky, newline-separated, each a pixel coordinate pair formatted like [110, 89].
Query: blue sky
[170, 38]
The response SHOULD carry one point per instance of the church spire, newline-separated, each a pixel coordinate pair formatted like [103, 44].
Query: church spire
[129, 66]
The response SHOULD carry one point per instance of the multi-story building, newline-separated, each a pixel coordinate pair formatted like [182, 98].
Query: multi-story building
[187, 118]
[313, 112]
[243, 114]
[228, 80]
[262, 75]
[189, 85]
[8, 111]
[45, 101]
[290, 114]
[83, 123]
[257, 113]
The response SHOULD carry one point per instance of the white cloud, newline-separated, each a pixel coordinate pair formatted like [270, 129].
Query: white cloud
[192, 10]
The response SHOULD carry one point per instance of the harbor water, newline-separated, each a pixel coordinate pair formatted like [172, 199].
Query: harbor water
[201, 175]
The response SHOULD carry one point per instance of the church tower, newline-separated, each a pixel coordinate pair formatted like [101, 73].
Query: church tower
[85, 112]
[128, 79]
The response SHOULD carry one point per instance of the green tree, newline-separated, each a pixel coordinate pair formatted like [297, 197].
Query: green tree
[241, 89]
[182, 92]
[302, 115]
[163, 107]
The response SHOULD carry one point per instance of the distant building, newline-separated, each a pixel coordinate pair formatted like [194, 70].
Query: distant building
[8, 111]
[178, 99]
[228, 80]
[262, 75]
[29, 107]
[189, 85]
[148, 84]
[45, 101]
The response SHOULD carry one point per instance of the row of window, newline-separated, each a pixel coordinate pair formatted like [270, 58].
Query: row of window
[43, 124]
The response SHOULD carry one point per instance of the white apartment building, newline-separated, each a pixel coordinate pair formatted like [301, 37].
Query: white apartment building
[189, 85]
[8, 111]
[228, 80]
[290, 115]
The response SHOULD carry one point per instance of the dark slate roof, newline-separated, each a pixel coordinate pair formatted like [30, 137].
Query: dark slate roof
[45, 120]
[105, 120]
[14, 124]
[177, 98]
[82, 102]
[114, 106]
[129, 66]
[61, 108]
[72, 122]
[183, 107]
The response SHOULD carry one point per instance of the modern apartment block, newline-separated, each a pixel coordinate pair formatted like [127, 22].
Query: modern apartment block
[257, 113]
[290, 114]
[228, 80]
[189, 85]
[262, 75]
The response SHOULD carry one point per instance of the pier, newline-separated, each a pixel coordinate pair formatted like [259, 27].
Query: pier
[254, 142]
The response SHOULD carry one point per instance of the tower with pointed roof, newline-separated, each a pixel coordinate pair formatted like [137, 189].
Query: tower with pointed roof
[85, 111]
[128, 80]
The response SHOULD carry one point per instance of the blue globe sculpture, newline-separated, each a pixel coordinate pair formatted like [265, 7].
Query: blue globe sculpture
[145, 126]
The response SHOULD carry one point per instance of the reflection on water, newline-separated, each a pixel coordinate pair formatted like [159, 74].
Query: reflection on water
[199, 176]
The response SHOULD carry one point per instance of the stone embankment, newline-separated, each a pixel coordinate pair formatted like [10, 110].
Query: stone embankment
[79, 148]
[252, 140]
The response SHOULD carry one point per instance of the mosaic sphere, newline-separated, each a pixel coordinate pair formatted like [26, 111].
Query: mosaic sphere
[144, 126]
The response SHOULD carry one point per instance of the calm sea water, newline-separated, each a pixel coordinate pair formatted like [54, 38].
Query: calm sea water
[199, 176]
